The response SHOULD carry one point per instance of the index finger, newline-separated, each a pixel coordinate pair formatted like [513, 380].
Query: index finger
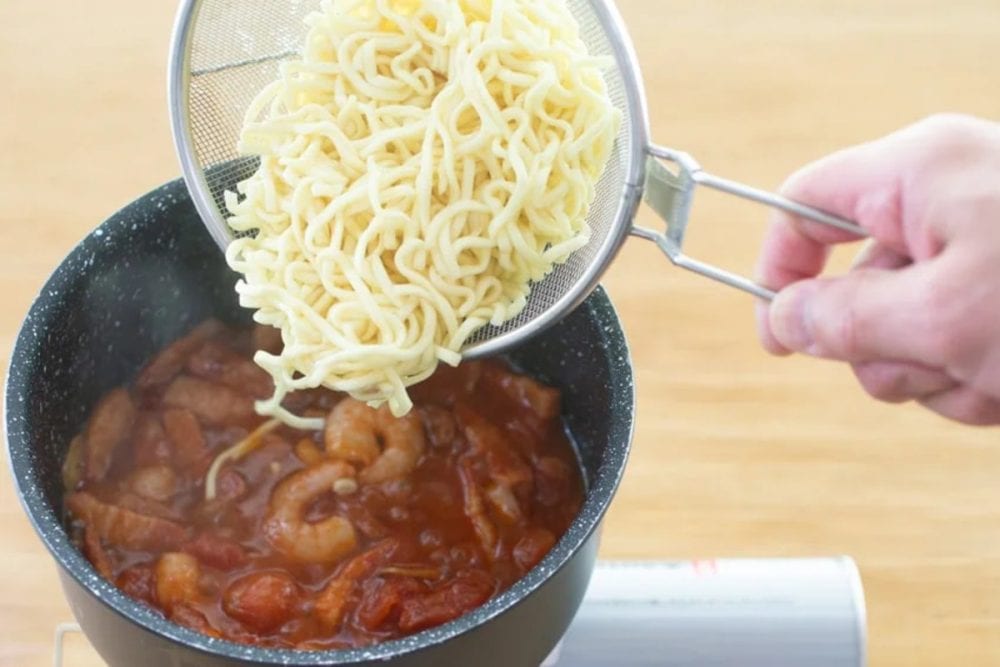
[856, 183]
[875, 184]
[862, 183]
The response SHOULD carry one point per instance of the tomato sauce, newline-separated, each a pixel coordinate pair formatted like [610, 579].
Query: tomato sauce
[487, 485]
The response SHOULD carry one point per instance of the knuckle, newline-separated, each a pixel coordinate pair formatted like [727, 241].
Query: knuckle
[886, 382]
[947, 124]
[977, 410]
[948, 135]
[945, 120]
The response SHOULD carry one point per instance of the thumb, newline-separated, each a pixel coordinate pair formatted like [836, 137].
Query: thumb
[866, 315]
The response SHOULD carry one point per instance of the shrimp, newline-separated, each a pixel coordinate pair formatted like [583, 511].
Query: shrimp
[177, 577]
[285, 526]
[158, 482]
[354, 432]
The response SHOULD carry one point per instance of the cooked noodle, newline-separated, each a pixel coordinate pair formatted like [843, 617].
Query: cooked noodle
[237, 451]
[420, 165]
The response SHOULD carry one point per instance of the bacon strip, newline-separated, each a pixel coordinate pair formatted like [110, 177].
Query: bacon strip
[125, 528]
[170, 360]
[109, 424]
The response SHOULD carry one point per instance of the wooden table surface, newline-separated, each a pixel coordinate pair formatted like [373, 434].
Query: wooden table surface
[736, 453]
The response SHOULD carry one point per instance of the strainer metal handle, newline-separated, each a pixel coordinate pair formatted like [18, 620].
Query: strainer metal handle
[670, 194]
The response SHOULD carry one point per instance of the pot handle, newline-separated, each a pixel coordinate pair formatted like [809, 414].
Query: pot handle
[669, 192]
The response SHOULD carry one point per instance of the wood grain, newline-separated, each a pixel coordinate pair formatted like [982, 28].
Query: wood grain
[736, 453]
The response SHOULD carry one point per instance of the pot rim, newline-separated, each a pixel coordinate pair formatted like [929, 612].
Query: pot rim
[50, 527]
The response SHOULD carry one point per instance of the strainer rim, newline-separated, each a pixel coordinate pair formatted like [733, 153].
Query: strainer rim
[178, 101]
[627, 67]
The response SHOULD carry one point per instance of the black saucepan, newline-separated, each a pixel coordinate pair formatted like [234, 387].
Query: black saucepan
[150, 273]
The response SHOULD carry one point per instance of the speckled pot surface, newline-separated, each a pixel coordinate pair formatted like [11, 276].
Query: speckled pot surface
[151, 272]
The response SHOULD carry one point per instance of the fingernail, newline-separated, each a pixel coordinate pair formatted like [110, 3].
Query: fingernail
[790, 317]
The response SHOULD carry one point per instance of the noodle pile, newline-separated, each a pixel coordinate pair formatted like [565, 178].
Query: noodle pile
[421, 164]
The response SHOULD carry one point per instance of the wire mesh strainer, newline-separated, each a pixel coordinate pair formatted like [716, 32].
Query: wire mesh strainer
[225, 51]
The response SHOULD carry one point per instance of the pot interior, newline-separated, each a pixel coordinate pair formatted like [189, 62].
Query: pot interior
[149, 274]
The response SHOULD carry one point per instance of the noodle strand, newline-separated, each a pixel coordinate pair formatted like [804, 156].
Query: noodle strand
[421, 164]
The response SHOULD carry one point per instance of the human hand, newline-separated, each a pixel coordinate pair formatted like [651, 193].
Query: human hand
[918, 316]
